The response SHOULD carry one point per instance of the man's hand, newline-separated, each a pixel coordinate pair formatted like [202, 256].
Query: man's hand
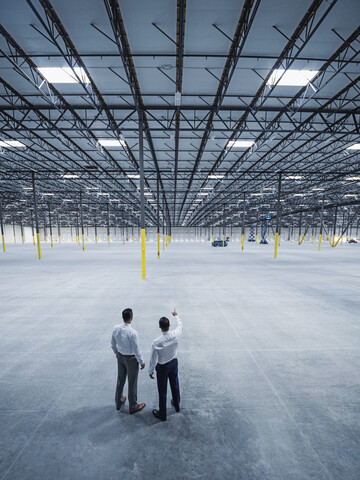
[142, 366]
[174, 313]
[151, 375]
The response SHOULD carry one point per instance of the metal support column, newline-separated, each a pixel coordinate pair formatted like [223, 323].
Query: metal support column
[277, 226]
[142, 196]
[36, 217]
[321, 222]
[22, 231]
[223, 237]
[243, 225]
[59, 229]
[163, 229]
[82, 223]
[2, 228]
[50, 226]
[334, 231]
[300, 219]
[158, 214]
[14, 232]
[108, 224]
[32, 227]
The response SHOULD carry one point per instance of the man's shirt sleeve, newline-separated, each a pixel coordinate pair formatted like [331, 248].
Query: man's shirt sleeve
[153, 359]
[113, 344]
[137, 351]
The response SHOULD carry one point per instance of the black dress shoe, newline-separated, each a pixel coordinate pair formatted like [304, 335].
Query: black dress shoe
[177, 409]
[121, 404]
[157, 415]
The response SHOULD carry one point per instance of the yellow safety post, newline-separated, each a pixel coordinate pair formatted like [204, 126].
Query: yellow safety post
[46, 239]
[276, 244]
[22, 239]
[59, 239]
[95, 239]
[83, 242]
[143, 263]
[319, 241]
[51, 241]
[33, 239]
[242, 242]
[158, 244]
[279, 239]
[38, 245]
[123, 239]
[36, 216]
[3, 242]
[256, 239]
[163, 243]
[223, 240]
[108, 237]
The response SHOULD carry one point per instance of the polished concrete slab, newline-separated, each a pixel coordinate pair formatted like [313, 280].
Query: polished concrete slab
[269, 362]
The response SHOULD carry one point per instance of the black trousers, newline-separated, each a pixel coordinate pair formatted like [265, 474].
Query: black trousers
[163, 373]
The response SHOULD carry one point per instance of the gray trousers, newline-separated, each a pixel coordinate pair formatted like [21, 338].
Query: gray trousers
[127, 367]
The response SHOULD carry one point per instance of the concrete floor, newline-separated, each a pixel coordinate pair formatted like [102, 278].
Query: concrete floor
[269, 363]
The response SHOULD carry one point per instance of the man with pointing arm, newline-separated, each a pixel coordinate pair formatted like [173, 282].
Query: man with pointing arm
[163, 359]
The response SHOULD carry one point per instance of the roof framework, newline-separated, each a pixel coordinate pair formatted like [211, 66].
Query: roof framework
[218, 60]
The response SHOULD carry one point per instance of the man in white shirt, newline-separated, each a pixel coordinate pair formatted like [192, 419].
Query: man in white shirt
[163, 359]
[125, 344]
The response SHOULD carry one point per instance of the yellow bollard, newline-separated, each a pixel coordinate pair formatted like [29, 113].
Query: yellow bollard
[158, 244]
[223, 240]
[14, 239]
[242, 242]
[276, 244]
[95, 239]
[319, 241]
[163, 243]
[33, 238]
[46, 239]
[22, 239]
[123, 239]
[38, 245]
[83, 242]
[51, 241]
[109, 240]
[279, 239]
[3, 242]
[255, 239]
[143, 264]
[59, 239]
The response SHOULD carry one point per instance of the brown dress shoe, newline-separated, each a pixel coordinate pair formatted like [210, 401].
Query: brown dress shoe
[138, 408]
[122, 403]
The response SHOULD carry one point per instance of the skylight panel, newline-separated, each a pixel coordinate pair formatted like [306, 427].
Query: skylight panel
[291, 78]
[356, 146]
[111, 142]
[240, 143]
[11, 144]
[63, 74]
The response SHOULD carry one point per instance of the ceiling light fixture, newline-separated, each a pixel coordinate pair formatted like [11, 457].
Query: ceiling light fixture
[356, 146]
[294, 177]
[70, 175]
[215, 177]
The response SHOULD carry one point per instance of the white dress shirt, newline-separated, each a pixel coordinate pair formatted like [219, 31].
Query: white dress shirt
[126, 341]
[164, 347]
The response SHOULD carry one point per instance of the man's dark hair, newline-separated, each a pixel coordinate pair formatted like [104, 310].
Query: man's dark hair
[164, 324]
[127, 314]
